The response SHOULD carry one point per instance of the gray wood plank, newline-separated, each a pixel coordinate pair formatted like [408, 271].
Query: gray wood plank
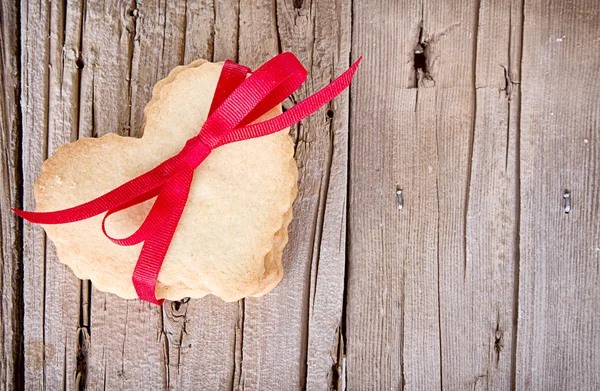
[64, 322]
[172, 344]
[51, 292]
[392, 326]
[11, 258]
[127, 47]
[201, 333]
[34, 76]
[125, 348]
[559, 285]
[324, 361]
[478, 200]
[258, 41]
[279, 351]
[443, 136]
[201, 338]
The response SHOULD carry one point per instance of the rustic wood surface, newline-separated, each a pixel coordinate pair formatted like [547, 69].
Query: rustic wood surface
[485, 114]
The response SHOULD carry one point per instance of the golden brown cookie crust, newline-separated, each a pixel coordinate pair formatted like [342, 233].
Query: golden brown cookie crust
[232, 233]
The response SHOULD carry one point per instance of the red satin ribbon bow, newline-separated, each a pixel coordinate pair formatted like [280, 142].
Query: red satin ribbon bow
[237, 102]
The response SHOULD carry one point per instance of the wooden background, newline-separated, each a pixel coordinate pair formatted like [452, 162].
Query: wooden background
[485, 113]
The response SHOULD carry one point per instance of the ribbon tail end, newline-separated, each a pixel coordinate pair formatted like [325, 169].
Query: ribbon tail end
[22, 214]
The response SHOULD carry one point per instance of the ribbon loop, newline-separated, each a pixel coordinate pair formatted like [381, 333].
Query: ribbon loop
[144, 231]
[238, 101]
[171, 203]
[297, 112]
[277, 78]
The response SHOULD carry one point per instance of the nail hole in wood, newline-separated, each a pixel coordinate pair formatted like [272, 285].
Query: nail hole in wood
[420, 61]
[567, 201]
[79, 63]
[400, 198]
[330, 113]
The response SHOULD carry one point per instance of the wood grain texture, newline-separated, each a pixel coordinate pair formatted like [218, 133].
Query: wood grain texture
[11, 230]
[279, 351]
[163, 342]
[443, 266]
[272, 335]
[204, 328]
[324, 362]
[124, 349]
[478, 200]
[392, 293]
[559, 286]
[484, 113]
[51, 292]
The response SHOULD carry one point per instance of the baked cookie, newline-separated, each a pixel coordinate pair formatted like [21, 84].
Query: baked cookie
[232, 232]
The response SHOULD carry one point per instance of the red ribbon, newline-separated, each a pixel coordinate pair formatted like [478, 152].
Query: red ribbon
[238, 101]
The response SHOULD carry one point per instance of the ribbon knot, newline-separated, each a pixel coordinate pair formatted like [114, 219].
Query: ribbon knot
[238, 102]
[195, 151]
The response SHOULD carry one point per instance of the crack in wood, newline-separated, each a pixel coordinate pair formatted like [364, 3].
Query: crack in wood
[83, 331]
[344, 314]
[83, 345]
[164, 34]
[164, 340]
[237, 382]
[134, 13]
[83, 335]
[322, 206]
[49, 103]
[237, 33]
[498, 340]
[11, 196]
[337, 374]
[479, 378]
[277, 33]
[173, 331]
[94, 128]
[421, 62]
[439, 298]
[185, 21]
[517, 193]
[211, 41]
[471, 137]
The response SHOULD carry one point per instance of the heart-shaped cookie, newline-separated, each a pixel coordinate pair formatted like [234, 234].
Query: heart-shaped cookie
[234, 227]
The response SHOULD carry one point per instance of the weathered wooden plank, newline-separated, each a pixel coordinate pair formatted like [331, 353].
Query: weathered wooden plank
[276, 347]
[328, 164]
[559, 285]
[478, 195]
[34, 61]
[123, 49]
[443, 278]
[159, 42]
[175, 348]
[262, 321]
[200, 22]
[392, 293]
[226, 26]
[51, 292]
[64, 322]
[11, 299]
[202, 333]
